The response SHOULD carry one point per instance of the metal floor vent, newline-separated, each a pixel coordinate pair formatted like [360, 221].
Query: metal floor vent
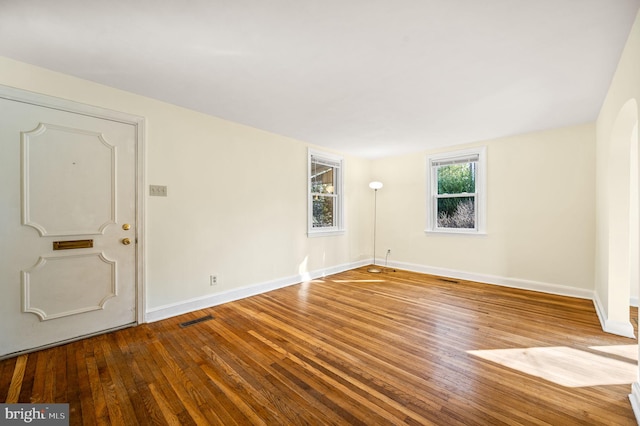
[195, 321]
[448, 280]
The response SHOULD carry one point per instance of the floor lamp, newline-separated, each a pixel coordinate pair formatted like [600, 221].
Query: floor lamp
[375, 186]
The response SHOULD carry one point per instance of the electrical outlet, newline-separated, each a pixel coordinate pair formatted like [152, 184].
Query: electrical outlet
[213, 280]
[157, 190]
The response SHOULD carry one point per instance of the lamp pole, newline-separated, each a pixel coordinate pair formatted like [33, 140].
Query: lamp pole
[375, 186]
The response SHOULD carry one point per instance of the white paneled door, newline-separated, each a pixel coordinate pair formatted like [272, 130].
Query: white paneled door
[67, 225]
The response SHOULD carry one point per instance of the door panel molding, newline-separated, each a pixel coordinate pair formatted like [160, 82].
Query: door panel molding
[47, 302]
[54, 216]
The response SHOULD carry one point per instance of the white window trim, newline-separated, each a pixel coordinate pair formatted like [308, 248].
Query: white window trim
[481, 192]
[339, 187]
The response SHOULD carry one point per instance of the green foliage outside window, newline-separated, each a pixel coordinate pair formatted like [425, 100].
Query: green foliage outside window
[456, 212]
[457, 178]
[322, 212]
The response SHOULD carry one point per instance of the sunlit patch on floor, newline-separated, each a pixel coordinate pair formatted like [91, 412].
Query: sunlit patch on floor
[568, 366]
[357, 281]
[625, 351]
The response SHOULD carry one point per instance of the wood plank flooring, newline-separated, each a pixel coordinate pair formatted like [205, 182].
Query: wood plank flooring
[354, 348]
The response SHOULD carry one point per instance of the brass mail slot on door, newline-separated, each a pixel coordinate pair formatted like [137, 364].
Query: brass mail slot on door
[77, 244]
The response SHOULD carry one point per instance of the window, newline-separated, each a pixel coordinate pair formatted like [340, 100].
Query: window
[456, 192]
[325, 198]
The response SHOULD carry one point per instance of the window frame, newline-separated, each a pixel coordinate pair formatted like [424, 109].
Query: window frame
[337, 162]
[480, 191]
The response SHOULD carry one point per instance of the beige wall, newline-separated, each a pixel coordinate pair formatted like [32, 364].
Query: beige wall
[540, 214]
[236, 202]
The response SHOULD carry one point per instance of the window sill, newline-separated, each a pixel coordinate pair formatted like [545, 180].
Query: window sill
[313, 234]
[455, 232]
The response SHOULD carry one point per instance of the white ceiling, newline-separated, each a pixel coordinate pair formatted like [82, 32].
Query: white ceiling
[366, 77]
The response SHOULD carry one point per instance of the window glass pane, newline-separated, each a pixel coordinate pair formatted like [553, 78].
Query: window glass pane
[322, 181]
[324, 197]
[457, 212]
[323, 208]
[457, 178]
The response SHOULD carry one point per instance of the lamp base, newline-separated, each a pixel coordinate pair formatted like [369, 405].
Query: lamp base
[374, 270]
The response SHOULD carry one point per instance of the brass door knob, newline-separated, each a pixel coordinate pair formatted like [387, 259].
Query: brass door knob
[126, 226]
[126, 241]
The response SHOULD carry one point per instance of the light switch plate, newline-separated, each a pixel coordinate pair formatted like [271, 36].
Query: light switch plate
[157, 190]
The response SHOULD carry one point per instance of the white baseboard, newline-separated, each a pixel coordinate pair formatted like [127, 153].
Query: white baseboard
[496, 280]
[621, 328]
[634, 397]
[185, 306]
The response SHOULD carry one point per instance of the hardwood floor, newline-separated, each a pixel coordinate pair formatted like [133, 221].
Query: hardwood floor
[354, 348]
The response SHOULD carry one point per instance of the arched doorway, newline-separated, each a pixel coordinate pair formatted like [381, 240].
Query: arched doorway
[631, 124]
[623, 190]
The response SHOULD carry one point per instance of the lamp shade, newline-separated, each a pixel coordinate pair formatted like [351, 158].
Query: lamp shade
[375, 185]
